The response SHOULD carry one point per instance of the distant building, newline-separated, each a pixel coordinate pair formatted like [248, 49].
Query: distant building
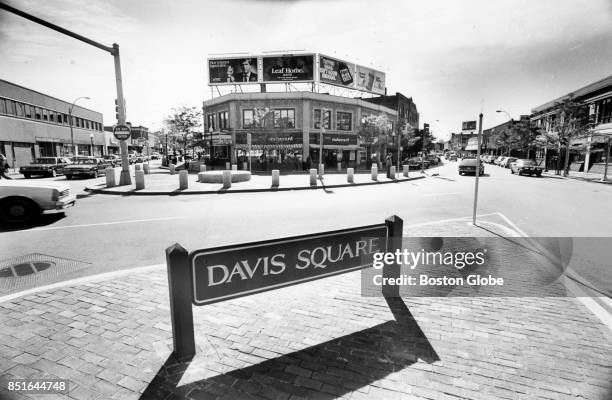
[405, 107]
[586, 154]
[489, 145]
[137, 141]
[33, 124]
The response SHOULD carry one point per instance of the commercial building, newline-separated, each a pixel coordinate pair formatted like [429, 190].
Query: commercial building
[33, 124]
[137, 142]
[285, 129]
[586, 154]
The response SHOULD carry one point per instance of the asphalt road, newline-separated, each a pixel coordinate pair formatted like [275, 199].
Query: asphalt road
[107, 232]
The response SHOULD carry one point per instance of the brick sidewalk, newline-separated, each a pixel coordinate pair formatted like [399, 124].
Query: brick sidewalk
[112, 339]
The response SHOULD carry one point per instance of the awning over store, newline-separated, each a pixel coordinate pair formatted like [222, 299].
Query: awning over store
[336, 147]
[269, 146]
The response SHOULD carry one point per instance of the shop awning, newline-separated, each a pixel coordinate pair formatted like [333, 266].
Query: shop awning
[335, 147]
[269, 146]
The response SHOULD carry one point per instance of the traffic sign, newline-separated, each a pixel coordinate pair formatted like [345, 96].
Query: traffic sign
[122, 132]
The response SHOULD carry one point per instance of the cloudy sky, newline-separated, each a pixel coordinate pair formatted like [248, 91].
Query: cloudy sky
[454, 58]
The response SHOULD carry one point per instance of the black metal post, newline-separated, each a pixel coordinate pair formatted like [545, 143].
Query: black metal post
[181, 313]
[395, 227]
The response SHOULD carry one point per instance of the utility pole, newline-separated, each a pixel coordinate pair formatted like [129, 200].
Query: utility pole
[114, 51]
[321, 131]
[477, 169]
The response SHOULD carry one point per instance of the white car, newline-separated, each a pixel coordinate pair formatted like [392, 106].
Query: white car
[22, 200]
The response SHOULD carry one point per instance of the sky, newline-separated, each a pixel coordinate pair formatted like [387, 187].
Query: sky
[456, 59]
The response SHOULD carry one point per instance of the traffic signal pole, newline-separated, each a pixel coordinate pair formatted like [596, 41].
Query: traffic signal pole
[477, 169]
[114, 51]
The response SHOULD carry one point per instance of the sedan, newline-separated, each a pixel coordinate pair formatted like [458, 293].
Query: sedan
[525, 167]
[48, 166]
[468, 166]
[87, 166]
[506, 163]
[21, 200]
[416, 163]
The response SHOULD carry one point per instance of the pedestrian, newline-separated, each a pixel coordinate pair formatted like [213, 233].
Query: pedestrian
[389, 163]
[4, 166]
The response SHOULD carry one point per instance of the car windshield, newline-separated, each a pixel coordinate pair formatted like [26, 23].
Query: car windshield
[45, 161]
[469, 161]
[527, 162]
[85, 161]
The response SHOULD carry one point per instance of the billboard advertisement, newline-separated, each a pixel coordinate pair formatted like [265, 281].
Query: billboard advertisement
[232, 70]
[468, 126]
[369, 80]
[288, 68]
[336, 72]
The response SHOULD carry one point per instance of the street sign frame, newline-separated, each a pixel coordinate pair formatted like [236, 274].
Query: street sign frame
[120, 130]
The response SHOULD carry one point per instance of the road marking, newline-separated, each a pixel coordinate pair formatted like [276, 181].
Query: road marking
[446, 220]
[77, 281]
[100, 224]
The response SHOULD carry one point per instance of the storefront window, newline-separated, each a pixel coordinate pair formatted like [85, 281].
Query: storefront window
[248, 118]
[326, 119]
[344, 121]
[284, 118]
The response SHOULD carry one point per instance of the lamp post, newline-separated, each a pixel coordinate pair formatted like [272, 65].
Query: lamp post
[72, 123]
[91, 135]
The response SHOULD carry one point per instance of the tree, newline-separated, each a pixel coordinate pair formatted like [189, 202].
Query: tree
[184, 123]
[520, 135]
[373, 133]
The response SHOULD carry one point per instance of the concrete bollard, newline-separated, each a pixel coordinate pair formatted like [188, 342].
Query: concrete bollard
[392, 173]
[172, 169]
[227, 165]
[350, 178]
[234, 167]
[201, 176]
[405, 170]
[183, 183]
[374, 173]
[313, 177]
[110, 177]
[339, 166]
[137, 167]
[202, 168]
[227, 179]
[140, 180]
[146, 168]
[275, 177]
[321, 169]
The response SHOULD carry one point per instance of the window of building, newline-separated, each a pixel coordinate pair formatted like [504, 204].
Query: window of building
[210, 121]
[52, 116]
[223, 123]
[10, 107]
[603, 110]
[38, 113]
[284, 118]
[20, 108]
[344, 121]
[248, 119]
[45, 114]
[2, 106]
[317, 119]
[28, 111]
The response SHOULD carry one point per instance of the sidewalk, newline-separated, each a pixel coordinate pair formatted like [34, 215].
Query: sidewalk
[111, 337]
[160, 182]
[582, 176]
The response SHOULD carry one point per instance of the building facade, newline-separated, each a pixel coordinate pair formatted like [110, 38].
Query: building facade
[284, 129]
[586, 154]
[33, 124]
[407, 112]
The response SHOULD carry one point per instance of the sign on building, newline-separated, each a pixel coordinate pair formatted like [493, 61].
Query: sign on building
[288, 68]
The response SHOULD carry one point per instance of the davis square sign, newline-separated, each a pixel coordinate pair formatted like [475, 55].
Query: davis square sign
[212, 275]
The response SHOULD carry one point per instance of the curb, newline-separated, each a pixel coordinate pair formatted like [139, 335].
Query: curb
[578, 178]
[178, 192]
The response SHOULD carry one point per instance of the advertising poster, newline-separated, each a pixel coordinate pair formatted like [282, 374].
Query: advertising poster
[336, 72]
[288, 68]
[468, 126]
[232, 71]
[369, 80]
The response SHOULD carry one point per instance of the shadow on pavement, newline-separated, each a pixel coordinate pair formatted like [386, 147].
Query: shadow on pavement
[41, 220]
[325, 371]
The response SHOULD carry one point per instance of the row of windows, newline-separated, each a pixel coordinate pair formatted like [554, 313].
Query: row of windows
[280, 118]
[603, 111]
[19, 109]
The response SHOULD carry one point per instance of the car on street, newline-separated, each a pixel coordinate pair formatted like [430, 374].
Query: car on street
[499, 160]
[468, 166]
[47, 166]
[525, 167]
[416, 163]
[452, 157]
[433, 159]
[506, 163]
[156, 156]
[112, 159]
[21, 200]
[86, 166]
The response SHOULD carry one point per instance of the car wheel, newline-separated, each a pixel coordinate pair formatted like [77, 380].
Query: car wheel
[512, 171]
[68, 177]
[27, 176]
[18, 210]
[539, 175]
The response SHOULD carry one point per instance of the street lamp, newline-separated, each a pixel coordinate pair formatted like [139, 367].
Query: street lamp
[505, 112]
[72, 123]
[91, 136]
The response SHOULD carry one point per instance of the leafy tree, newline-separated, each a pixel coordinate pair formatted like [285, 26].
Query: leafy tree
[184, 125]
[373, 133]
[520, 135]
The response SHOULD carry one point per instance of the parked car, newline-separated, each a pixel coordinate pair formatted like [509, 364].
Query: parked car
[468, 166]
[416, 163]
[452, 157]
[506, 163]
[155, 156]
[433, 159]
[21, 201]
[47, 166]
[527, 167]
[86, 166]
[499, 160]
[112, 159]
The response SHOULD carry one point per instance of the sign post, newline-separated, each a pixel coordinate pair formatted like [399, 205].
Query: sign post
[213, 275]
[122, 132]
[477, 170]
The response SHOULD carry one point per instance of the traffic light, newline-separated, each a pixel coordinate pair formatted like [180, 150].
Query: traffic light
[426, 129]
[326, 122]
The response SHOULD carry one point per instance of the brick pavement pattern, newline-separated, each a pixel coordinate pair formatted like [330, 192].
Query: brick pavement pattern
[320, 340]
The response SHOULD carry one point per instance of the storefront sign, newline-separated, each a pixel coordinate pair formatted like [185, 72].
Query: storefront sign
[288, 68]
[235, 271]
[336, 72]
[268, 138]
[369, 80]
[334, 139]
[232, 71]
